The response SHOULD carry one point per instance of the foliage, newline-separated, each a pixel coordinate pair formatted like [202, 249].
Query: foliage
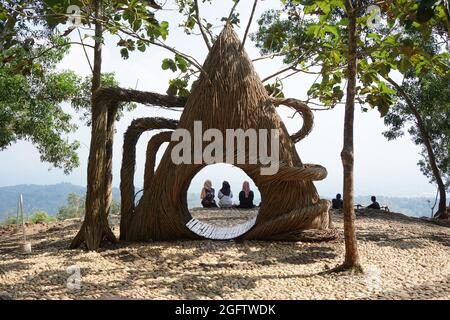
[31, 91]
[40, 217]
[187, 75]
[310, 36]
[30, 110]
[133, 22]
[432, 99]
[82, 102]
[9, 220]
[25, 37]
[73, 209]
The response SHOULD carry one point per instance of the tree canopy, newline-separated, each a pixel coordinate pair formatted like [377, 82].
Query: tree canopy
[30, 109]
[432, 98]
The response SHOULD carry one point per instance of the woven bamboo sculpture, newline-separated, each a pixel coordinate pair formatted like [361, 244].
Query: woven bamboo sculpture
[229, 95]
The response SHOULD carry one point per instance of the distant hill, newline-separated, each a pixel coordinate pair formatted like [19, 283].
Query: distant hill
[52, 197]
[48, 198]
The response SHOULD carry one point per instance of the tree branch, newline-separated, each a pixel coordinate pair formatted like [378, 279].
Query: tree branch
[291, 67]
[272, 55]
[233, 8]
[85, 52]
[249, 23]
[60, 46]
[200, 25]
[189, 58]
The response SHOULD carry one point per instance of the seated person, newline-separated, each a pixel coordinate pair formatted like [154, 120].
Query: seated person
[225, 195]
[375, 204]
[337, 203]
[207, 195]
[246, 197]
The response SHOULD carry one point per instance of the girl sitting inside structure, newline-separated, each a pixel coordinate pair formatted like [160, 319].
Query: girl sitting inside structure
[246, 197]
[207, 195]
[225, 196]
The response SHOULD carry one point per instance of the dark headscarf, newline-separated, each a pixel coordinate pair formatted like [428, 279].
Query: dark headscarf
[226, 189]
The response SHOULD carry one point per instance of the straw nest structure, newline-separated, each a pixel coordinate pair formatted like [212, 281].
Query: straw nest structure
[228, 95]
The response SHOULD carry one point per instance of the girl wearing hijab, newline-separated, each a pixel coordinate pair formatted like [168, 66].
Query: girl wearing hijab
[246, 197]
[225, 195]
[207, 195]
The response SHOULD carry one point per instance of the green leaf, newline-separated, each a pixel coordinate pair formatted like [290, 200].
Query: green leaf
[122, 43]
[169, 64]
[178, 87]
[374, 36]
[137, 25]
[383, 109]
[332, 29]
[124, 53]
[182, 64]
[404, 65]
[164, 29]
[324, 6]
[141, 46]
[336, 56]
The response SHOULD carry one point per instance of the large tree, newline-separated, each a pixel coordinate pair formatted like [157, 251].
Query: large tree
[351, 250]
[31, 91]
[316, 38]
[424, 92]
[136, 28]
[423, 110]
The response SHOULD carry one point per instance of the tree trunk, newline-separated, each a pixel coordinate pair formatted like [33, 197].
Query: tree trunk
[95, 225]
[442, 210]
[351, 250]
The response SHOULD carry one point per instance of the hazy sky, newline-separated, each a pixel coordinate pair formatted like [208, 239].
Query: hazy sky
[381, 167]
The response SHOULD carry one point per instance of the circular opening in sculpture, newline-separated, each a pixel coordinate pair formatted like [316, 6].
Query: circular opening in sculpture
[223, 202]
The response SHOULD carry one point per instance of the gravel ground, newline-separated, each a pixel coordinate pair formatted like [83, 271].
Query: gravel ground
[404, 258]
[224, 217]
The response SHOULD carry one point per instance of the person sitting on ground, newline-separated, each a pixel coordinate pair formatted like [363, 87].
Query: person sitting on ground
[225, 196]
[246, 197]
[337, 203]
[375, 204]
[207, 195]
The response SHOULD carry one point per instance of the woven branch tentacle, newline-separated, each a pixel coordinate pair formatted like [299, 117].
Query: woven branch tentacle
[305, 112]
[116, 94]
[131, 138]
[152, 149]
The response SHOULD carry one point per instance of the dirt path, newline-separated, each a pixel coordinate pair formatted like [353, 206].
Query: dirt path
[404, 258]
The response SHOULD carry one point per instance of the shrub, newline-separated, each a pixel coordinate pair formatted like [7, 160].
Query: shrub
[10, 220]
[40, 216]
